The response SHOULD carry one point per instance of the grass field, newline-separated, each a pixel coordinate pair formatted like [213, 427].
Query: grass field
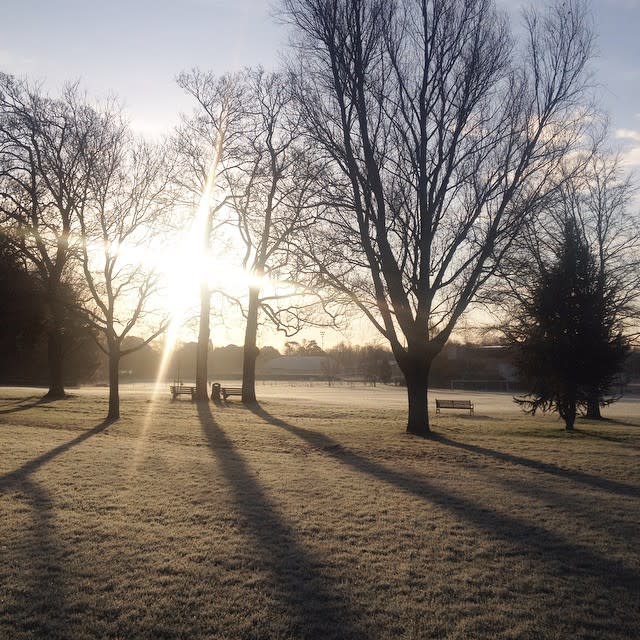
[314, 516]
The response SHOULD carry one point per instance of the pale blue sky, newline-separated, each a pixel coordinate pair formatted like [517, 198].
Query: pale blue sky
[135, 48]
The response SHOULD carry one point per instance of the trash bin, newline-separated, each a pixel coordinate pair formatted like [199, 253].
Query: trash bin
[215, 392]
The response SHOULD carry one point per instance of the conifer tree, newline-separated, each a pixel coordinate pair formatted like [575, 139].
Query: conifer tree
[568, 343]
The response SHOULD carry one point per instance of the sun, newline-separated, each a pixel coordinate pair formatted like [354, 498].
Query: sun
[183, 269]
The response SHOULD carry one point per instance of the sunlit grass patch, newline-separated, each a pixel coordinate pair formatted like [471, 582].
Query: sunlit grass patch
[294, 519]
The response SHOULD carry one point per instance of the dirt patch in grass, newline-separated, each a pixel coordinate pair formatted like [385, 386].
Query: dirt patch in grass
[296, 519]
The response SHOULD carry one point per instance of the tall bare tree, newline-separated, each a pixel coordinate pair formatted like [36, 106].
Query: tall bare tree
[46, 151]
[443, 136]
[273, 192]
[203, 141]
[610, 226]
[129, 198]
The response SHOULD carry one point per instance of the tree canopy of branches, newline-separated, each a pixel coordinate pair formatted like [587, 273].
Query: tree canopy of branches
[128, 198]
[203, 143]
[47, 147]
[441, 136]
[271, 191]
[567, 335]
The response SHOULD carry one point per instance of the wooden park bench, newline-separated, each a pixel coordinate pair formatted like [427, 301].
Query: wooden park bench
[230, 391]
[454, 404]
[179, 389]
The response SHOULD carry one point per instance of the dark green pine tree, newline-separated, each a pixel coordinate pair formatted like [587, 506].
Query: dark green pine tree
[568, 344]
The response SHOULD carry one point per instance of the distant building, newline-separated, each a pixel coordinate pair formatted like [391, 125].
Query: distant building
[309, 367]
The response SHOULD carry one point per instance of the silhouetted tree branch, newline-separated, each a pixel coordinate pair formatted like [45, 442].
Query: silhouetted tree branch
[272, 191]
[128, 198]
[203, 141]
[47, 152]
[442, 137]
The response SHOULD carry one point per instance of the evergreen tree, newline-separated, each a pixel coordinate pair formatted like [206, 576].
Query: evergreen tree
[568, 343]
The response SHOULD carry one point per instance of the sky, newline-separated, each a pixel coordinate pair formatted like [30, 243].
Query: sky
[134, 49]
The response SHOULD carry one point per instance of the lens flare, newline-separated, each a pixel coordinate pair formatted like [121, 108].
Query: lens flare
[194, 248]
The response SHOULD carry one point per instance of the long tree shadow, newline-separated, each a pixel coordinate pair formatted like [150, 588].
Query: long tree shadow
[604, 484]
[23, 405]
[612, 421]
[607, 438]
[35, 596]
[39, 609]
[315, 607]
[29, 467]
[550, 549]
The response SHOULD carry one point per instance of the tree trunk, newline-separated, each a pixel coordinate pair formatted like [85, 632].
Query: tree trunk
[569, 419]
[55, 358]
[250, 349]
[416, 375]
[593, 407]
[55, 342]
[114, 386]
[568, 412]
[202, 353]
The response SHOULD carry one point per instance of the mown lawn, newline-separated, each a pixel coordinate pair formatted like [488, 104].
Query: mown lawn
[298, 520]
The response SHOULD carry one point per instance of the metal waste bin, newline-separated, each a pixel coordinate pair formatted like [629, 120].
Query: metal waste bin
[215, 392]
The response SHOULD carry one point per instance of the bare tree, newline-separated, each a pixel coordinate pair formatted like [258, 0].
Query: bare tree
[612, 231]
[443, 136]
[45, 167]
[273, 191]
[202, 142]
[129, 196]
[607, 211]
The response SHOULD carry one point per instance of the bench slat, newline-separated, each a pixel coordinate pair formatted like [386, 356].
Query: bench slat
[231, 391]
[453, 404]
[182, 390]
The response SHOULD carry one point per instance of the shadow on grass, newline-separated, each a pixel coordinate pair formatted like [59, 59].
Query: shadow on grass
[562, 556]
[22, 405]
[600, 436]
[315, 607]
[27, 468]
[619, 488]
[38, 608]
[611, 421]
[35, 597]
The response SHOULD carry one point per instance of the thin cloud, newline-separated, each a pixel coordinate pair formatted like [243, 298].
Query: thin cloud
[625, 4]
[15, 63]
[631, 155]
[628, 134]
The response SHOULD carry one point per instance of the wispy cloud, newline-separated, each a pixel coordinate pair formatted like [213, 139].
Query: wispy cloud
[624, 4]
[15, 63]
[628, 134]
[631, 152]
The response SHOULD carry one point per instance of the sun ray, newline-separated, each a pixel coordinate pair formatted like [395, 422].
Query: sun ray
[194, 246]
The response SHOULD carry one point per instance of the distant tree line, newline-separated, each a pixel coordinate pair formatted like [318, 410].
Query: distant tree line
[460, 365]
[25, 320]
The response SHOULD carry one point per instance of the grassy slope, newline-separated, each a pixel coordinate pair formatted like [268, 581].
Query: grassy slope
[300, 520]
